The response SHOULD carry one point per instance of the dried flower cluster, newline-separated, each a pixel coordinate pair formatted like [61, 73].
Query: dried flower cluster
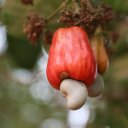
[27, 2]
[48, 37]
[85, 15]
[34, 27]
[88, 17]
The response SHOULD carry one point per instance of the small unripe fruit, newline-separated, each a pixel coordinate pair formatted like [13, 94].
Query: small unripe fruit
[97, 43]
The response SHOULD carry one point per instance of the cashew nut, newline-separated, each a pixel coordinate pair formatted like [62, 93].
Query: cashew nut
[97, 87]
[75, 92]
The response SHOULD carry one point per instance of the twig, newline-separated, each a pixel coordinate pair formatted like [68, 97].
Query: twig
[58, 9]
[77, 23]
[89, 5]
[76, 6]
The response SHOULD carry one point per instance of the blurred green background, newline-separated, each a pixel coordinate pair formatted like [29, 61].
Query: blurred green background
[21, 102]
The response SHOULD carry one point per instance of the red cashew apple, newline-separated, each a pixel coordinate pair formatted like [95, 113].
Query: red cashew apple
[71, 65]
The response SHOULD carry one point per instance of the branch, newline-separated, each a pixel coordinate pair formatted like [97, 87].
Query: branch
[89, 5]
[76, 6]
[57, 10]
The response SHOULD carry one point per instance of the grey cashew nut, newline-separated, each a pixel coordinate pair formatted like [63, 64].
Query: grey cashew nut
[75, 92]
[97, 87]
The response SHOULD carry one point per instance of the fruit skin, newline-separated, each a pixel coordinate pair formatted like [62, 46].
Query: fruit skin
[70, 56]
[100, 54]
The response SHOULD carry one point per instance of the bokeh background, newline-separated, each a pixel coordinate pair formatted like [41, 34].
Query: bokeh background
[26, 98]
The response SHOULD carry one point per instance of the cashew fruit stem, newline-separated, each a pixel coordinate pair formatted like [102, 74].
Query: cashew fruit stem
[75, 92]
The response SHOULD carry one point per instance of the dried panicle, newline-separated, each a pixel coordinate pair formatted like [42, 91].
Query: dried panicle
[108, 14]
[89, 17]
[85, 5]
[34, 27]
[48, 37]
[92, 17]
[27, 2]
[67, 17]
